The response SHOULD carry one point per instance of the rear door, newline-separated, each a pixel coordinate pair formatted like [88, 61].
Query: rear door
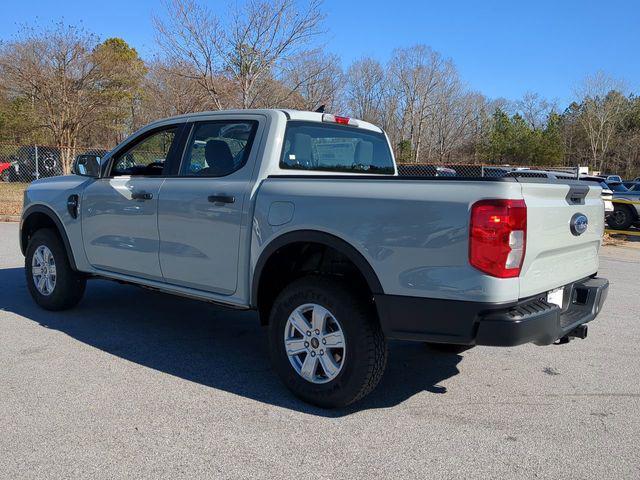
[202, 211]
[558, 250]
[119, 211]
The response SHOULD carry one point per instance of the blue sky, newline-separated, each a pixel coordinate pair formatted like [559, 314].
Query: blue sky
[502, 48]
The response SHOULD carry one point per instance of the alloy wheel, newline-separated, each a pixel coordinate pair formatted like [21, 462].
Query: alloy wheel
[43, 270]
[314, 343]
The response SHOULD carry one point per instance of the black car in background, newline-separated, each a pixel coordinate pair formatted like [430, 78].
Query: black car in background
[30, 162]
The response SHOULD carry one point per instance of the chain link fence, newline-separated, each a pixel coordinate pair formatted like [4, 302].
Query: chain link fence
[22, 164]
[476, 171]
[26, 163]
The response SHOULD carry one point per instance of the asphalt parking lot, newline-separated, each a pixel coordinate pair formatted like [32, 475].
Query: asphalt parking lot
[136, 384]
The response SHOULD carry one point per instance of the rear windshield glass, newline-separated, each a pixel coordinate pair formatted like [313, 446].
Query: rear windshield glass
[335, 148]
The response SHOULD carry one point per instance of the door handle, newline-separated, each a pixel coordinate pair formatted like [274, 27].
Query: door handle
[141, 196]
[221, 198]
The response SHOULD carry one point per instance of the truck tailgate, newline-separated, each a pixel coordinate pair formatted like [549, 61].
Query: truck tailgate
[556, 256]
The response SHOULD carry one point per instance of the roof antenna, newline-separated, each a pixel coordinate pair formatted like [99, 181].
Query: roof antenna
[320, 109]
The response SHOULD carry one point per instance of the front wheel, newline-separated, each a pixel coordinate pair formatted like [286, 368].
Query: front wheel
[325, 342]
[53, 284]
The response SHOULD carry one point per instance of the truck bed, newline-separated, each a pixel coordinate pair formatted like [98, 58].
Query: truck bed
[414, 231]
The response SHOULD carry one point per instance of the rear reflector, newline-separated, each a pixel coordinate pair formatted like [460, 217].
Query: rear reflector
[498, 237]
[327, 117]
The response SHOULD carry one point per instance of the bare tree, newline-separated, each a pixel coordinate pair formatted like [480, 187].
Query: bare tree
[478, 126]
[191, 44]
[264, 35]
[451, 114]
[312, 79]
[600, 114]
[415, 73]
[534, 109]
[56, 69]
[247, 51]
[365, 90]
[168, 92]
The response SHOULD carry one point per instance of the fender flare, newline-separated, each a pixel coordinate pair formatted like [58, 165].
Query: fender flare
[315, 236]
[43, 209]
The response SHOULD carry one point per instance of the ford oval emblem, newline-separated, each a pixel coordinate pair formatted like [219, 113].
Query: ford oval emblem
[579, 223]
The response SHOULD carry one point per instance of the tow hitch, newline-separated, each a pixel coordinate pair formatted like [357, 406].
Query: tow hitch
[579, 332]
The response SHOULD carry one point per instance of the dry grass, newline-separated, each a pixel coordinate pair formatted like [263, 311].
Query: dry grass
[11, 197]
[620, 239]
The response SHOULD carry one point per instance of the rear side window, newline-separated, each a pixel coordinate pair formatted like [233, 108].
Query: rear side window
[218, 148]
[335, 148]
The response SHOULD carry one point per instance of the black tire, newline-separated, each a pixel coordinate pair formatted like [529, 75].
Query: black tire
[621, 218]
[69, 284]
[366, 350]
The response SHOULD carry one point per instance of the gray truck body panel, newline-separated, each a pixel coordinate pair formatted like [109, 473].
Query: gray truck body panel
[422, 251]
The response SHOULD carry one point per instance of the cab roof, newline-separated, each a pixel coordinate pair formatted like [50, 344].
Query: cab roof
[301, 115]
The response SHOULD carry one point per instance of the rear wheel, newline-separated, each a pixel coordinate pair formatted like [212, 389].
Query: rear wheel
[325, 342]
[53, 284]
[621, 218]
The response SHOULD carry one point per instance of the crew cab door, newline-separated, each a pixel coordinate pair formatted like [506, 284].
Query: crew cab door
[203, 209]
[119, 211]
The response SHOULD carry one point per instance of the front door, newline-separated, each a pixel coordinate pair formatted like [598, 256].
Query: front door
[119, 212]
[200, 212]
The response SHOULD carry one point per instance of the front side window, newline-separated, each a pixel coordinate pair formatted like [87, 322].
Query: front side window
[146, 157]
[218, 148]
[335, 148]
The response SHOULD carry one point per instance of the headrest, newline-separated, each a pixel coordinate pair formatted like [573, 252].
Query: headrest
[219, 158]
[302, 149]
[364, 153]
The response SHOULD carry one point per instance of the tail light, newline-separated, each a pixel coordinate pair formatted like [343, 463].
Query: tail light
[498, 237]
[329, 118]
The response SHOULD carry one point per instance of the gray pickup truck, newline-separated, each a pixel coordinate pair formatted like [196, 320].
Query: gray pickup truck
[302, 217]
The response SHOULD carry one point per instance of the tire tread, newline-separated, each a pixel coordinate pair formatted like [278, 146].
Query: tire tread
[70, 285]
[373, 354]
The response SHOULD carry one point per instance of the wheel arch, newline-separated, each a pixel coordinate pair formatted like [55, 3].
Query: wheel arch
[310, 237]
[40, 216]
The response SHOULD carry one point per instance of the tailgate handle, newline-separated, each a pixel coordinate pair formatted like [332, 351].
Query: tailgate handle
[576, 194]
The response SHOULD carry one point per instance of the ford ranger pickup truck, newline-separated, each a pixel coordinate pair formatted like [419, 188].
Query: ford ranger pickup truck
[302, 217]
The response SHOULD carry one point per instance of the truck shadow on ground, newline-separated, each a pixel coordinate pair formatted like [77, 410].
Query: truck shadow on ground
[209, 345]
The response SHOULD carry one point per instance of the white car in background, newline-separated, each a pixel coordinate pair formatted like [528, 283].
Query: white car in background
[607, 193]
[613, 179]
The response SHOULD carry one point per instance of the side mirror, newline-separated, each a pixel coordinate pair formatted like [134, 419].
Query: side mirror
[87, 166]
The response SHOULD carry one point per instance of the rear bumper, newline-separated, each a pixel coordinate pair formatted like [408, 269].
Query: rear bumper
[475, 323]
